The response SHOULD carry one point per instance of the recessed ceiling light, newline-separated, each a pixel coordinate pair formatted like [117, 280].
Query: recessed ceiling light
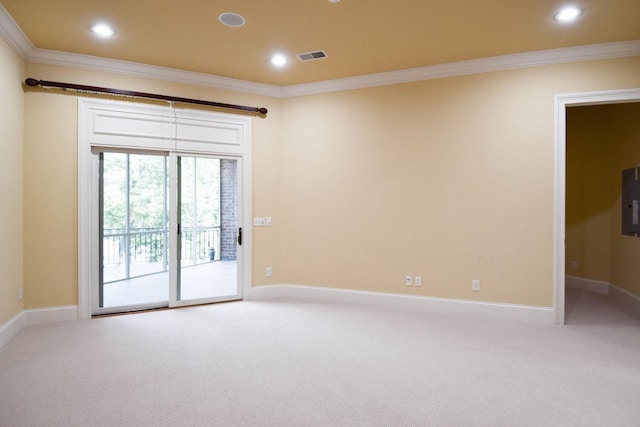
[103, 30]
[334, 1]
[568, 14]
[279, 60]
[231, 19]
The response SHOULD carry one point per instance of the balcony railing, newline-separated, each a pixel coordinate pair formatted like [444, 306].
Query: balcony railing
[196, 243]
[146, 251]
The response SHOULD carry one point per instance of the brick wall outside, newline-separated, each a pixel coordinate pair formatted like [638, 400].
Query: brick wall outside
[228, 210]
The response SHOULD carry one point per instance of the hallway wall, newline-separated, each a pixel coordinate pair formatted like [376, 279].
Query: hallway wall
[602, 141]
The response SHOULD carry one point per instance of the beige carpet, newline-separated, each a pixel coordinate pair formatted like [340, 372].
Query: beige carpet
[318, 364]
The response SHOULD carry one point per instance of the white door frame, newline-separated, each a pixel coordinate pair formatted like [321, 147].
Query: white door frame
[116, 124]
[560, 155]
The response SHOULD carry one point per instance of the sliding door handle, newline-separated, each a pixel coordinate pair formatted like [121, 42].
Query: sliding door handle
[240, 236]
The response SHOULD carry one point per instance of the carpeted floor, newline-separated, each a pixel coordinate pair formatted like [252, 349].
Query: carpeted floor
[319, 364]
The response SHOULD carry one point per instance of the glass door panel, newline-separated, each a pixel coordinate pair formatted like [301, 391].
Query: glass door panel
[134, 225]
[145, 263]
[208, 223]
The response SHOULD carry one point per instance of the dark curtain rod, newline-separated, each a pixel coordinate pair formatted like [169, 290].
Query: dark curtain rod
[96, 89]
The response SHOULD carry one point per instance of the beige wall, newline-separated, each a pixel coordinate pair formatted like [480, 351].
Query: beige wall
[602, 141]
[450, 179]
[11, 136]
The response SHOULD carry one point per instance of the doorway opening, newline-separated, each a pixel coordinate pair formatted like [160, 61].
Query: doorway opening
[562, 102]
[602, 257]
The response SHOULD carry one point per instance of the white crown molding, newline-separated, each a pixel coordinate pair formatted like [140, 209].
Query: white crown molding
[474, 66]
[135, 69]
[12, 33]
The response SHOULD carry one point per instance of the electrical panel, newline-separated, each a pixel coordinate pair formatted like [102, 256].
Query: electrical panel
[631, 202]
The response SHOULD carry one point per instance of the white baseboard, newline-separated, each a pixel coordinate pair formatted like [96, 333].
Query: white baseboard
[12, 327]
[521, 313]
[590, 285]
[66, 313]
[626, 298]
[623, 296]
[33, 316]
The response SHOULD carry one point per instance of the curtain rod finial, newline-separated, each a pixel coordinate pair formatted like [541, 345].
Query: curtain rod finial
[32, 82]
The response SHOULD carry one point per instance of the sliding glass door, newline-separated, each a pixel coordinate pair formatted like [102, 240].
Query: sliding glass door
[168, 228]
[134, 226]
[208, 229]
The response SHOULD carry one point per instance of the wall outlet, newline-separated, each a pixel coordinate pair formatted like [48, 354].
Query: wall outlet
[574, 265]
[408, 280]
[418, 281]
[268, 221]
[20, 294]
[269, 272]
[475, 285]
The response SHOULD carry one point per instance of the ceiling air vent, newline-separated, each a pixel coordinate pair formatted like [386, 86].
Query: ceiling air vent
[312, 56]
